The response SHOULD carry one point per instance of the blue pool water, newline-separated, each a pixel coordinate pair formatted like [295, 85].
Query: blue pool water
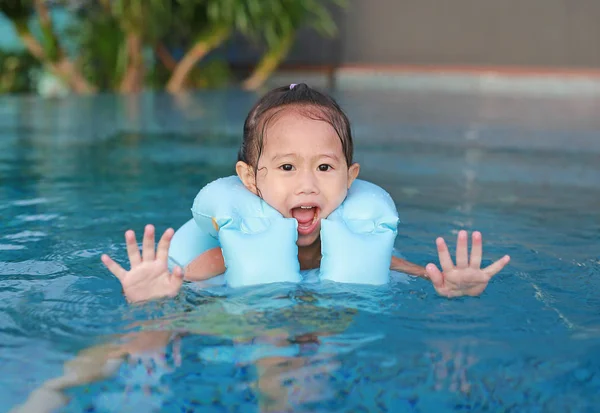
[525, 170]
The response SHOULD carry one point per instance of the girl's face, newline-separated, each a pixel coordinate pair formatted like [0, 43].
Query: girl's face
[302, 172]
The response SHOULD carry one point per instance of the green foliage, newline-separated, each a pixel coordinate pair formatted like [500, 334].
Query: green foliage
[50, 43]
[100, 27]
[16, 10]
[17, 71]
[100, 47]
[211, 74]
[149, 18]
[275, 20]
[272, 20]
[189, 21]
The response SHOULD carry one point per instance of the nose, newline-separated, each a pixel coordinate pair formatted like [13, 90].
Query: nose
[307, 183]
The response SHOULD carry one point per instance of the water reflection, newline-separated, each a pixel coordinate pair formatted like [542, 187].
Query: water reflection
[293, 362]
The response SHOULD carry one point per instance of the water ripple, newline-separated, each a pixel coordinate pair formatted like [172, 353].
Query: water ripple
[530, 341]
[38, 217]
[26, 235]
[28, 202]
[31, 267]
[9, 247]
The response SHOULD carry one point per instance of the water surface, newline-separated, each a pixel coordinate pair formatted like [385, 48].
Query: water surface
[524, 170]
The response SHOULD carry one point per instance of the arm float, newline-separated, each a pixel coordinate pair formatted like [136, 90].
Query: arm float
[259, 244]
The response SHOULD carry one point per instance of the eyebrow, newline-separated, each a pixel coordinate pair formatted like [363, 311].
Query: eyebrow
[329, 155]
[283, 155]
[293, 155]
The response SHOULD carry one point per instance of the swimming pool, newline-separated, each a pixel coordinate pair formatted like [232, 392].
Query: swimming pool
[523, 169]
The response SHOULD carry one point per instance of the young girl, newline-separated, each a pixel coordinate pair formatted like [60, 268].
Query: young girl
[296, 155]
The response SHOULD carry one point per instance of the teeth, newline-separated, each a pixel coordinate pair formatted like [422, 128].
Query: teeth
[306, 207]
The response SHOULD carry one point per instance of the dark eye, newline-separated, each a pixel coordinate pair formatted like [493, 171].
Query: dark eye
[287, 167]
[324, 168]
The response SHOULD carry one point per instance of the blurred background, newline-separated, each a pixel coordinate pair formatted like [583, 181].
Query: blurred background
[89, 46]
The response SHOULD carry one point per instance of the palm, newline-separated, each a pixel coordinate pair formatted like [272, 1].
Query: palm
[466, 277]
[149, 276]
[148, 280]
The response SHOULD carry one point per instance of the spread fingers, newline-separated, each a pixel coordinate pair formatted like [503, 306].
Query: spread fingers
[162, 252]
[496, 267]
[113, 267]
[148, 246]
[133, 252]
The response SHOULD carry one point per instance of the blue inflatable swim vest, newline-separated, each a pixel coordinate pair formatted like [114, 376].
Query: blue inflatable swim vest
[259, 244]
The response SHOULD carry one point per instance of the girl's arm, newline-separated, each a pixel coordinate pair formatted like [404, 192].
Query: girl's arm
[466, 277]
[207, 265]
[398, 264]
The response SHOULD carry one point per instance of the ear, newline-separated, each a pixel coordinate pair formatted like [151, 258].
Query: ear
[353, 173]
[246, 174]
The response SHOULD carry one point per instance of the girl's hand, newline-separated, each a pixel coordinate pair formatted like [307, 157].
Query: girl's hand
[466, 278]
[149, 276]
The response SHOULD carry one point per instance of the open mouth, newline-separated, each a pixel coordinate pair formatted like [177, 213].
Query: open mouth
[307, 217]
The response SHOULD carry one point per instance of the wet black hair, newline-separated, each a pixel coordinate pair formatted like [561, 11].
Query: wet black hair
[307, 102]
